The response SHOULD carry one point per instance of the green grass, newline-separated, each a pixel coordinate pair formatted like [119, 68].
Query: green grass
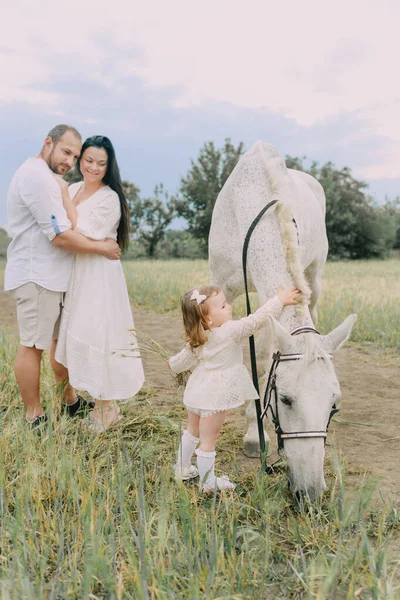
[86, 516]
[369, 288]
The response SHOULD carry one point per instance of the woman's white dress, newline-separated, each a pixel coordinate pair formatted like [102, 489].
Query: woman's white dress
[97, 315]
[220, 380]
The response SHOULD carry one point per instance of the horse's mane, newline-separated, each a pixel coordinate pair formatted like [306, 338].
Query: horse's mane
[282, 190]
[292, 248]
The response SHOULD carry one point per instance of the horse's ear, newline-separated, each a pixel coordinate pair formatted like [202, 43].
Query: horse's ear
[336, 338]
[282, 337]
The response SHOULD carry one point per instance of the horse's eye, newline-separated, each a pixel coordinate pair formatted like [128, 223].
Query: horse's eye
[286, 400]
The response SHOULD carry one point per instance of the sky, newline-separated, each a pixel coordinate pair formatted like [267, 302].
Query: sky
[314, 78]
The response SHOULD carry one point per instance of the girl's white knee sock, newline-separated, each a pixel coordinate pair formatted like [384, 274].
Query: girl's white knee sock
[205, 464]
[186, 449]
[208, 481]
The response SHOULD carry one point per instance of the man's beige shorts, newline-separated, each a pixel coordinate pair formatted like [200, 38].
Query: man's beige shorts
[38, 314]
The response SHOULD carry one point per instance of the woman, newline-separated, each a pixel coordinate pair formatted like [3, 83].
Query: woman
[97, 315]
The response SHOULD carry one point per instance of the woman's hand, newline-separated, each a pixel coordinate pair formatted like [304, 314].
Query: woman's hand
[61, 182]
[289, 296]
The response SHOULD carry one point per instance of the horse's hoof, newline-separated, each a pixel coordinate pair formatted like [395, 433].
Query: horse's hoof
[252, 449]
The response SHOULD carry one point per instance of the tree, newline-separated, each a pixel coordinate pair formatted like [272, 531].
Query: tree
[202, 184]
[4, 241]
[355, 227]
[150, 217]
[179, 244]
[392, 209]
[72, 176]
[132, 194]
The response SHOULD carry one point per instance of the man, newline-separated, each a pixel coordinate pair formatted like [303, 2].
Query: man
[39, 260]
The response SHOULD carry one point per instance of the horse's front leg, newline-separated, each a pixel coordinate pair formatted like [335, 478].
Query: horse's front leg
[251, 440]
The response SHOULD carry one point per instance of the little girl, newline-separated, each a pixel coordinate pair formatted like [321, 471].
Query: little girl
[220, 380]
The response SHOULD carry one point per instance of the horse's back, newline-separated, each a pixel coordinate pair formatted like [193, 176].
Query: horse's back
[259, 177]
[308, 209]
[313, 184]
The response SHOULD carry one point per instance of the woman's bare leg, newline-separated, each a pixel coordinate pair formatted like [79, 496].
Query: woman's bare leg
[106, 411]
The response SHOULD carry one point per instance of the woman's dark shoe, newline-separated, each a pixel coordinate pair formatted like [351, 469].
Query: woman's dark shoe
[80, 408]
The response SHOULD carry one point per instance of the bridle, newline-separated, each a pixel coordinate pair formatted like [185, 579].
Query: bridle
[272, 391]
[277, 358]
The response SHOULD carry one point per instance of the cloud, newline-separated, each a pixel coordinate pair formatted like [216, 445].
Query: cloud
[155, 140]
[162, 78]
[282, 56]
[329, 75]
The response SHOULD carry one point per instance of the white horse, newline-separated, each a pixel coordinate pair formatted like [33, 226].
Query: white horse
[288, 247]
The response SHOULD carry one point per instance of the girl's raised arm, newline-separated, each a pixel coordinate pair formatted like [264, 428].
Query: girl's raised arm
[246, 327]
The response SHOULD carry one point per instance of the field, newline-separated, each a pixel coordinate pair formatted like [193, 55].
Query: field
[369, 288]
[86, 516]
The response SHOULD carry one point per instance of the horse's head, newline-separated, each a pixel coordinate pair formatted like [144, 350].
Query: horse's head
[307, 390]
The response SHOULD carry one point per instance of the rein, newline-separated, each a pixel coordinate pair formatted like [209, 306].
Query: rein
[251, 339]
[277, 358]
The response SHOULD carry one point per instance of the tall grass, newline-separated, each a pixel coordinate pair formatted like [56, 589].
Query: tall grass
[369, 288]
[99, 516]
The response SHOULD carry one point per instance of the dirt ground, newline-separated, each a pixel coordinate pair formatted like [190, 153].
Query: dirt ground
[370, 383]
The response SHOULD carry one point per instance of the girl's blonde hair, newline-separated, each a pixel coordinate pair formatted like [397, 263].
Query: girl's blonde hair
[195, 315]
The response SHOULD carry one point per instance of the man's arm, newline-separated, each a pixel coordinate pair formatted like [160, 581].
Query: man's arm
[43, 198]
[74, 242]
[45, 203]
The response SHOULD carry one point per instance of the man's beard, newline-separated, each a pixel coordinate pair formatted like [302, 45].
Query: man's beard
[54, 167]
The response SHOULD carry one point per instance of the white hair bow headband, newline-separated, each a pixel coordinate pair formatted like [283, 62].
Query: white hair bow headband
[198, 297]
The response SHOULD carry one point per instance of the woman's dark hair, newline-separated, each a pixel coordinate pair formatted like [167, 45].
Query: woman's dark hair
[112, 178]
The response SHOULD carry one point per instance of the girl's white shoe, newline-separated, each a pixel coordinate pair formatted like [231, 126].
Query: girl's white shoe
[220, 483]
[186, 473]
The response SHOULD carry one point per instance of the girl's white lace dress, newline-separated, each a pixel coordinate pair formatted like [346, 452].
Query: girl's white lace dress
[97, 314]
[220, 380]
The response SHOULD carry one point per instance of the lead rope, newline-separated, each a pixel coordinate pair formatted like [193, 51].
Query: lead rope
[253, 358]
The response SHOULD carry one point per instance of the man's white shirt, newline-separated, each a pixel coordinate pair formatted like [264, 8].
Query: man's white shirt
[35, 216]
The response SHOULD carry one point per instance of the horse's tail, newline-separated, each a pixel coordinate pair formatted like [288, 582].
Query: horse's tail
[282, 190]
